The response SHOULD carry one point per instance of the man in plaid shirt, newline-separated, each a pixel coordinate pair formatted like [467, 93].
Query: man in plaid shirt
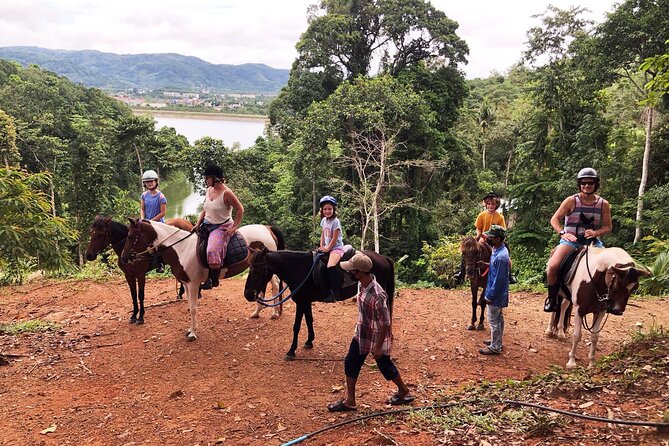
[372, 335]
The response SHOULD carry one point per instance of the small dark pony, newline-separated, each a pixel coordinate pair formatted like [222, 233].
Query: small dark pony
[105, 233]
[472, 253]
[295, 269]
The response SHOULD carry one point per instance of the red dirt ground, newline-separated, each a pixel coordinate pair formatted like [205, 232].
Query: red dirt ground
[99, 380]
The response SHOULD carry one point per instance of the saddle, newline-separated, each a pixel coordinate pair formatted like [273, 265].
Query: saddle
[320, 276]
[568, 268]
[238, 249]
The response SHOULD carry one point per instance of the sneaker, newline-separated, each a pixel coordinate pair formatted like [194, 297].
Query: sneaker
[488, 351]
[207, 285]
[160, 268]
[512, 279]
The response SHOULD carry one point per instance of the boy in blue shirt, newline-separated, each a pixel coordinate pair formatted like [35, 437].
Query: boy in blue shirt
[497, 289]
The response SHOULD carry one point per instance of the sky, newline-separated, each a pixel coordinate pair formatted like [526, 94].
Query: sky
[251, 31]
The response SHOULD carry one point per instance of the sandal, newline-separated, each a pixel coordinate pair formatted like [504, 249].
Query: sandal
[339, 406]
[397, 400]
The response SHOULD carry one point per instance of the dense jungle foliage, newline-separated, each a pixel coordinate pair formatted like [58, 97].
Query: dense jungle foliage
[377, 112]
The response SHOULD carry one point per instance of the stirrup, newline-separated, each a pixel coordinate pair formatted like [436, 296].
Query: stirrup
[550, 306]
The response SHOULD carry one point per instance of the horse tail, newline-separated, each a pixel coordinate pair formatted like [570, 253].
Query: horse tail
[280, 240]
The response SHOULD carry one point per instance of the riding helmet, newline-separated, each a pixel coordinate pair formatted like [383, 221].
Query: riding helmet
[213, 171]
[328, 199]
[587, 172]
[150, 175]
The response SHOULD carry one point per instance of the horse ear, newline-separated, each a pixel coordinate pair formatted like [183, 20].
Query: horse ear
[107, 220]
[643, 272]
[133, 221]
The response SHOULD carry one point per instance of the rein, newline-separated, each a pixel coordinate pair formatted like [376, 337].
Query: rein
[297, 289]
[154, 250]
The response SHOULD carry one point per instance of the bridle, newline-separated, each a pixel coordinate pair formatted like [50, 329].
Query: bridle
[152, 249]
[108, 240]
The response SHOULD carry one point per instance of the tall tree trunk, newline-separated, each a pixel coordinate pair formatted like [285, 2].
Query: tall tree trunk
[52, 192]
[313, 201]
[508, 169]
[6, 162]
[139, 163]
[644, 173]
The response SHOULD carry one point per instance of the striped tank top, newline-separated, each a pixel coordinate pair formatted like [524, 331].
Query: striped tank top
[583, 217]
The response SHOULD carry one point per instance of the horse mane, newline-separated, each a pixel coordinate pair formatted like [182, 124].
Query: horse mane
[469, 244]
[117, 230]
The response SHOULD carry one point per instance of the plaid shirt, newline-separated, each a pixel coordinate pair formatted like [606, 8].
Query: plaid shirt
[373, 313]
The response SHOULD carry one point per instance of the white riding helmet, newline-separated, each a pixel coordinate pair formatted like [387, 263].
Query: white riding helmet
[149, 175]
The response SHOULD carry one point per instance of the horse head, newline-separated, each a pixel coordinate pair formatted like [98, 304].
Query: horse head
[100, 237]
[259, 275]
[141, 236]
[472, 252]
[621, 281]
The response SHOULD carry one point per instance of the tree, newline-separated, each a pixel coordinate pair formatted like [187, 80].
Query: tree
[365, 122]
[635, 31]
[30, 236]
[8, 150]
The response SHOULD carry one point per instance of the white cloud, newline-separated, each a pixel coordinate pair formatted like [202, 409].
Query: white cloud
[236, 32]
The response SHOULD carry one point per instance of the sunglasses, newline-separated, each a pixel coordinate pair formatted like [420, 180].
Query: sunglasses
[587, 183]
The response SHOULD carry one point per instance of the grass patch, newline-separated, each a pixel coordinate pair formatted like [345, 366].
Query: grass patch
[32, 326]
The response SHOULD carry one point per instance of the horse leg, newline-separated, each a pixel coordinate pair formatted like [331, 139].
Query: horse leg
[182, 290]
[594, 337]
[483, 304]
[309, 317]
[576, 338]
[141, 281]
[551, 330]
[474, 290]
[299, 312]
[192, 290]
[133, 292]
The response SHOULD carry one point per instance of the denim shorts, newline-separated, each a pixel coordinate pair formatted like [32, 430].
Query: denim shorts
[597, 243]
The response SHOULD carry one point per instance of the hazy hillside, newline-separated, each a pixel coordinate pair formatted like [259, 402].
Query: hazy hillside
[154, 71]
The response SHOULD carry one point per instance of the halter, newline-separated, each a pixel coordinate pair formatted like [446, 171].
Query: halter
[154, 249]
[600, 297]
[109, 244]
[478, 259]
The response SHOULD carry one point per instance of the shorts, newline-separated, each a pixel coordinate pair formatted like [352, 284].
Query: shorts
[597, 243]
[354, 361]
[339, 250]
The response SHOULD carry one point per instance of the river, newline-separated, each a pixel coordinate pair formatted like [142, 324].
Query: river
[182, 199]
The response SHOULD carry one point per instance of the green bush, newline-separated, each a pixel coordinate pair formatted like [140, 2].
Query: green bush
[658, 283]
[529, 267]
[435, 266]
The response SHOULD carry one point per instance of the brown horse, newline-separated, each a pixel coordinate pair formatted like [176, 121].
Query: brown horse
[179, 249]
[474, 252]
[105, 233]
[602, 283]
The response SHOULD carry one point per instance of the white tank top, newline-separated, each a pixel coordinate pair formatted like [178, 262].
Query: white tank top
[216, 212]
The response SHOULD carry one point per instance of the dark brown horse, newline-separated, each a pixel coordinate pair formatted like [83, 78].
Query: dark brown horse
[295, 269]
[474, 252]
[105, 233]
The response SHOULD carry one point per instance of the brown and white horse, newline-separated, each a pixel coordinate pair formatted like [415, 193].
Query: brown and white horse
[602, 283]
[179, 249]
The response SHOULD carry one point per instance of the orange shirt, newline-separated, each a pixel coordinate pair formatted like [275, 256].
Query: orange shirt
[486, 219]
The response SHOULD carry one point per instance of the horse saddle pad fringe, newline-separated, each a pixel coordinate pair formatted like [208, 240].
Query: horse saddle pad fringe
[237, 251]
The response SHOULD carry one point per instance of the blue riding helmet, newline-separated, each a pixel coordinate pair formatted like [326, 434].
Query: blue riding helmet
[328, 199]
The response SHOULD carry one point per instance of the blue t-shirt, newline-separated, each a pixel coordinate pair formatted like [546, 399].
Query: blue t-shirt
[497, 289]
[329, 227]
[152, 204]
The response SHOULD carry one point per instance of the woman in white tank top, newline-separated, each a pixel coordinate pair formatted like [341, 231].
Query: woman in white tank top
[219, 203]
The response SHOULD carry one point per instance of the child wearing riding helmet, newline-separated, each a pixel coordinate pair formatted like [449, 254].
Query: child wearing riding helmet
[486, 218]
[153, 205]
[331, 242]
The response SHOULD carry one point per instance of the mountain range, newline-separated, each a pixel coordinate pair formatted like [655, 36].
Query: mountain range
[113, 72]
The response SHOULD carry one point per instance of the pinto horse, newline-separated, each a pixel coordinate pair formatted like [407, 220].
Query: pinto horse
[295, 269]
[105, 233]
[179, 249]
[472, 253]
[602, 283]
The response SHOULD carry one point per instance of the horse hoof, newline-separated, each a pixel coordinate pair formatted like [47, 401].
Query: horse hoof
[180, 296]
[289, 357]
[132, 320]
[275, 316]
[308, 345]
[191, 337]
[479, 327]
[471, 327]
[140, 321]
[254, 316]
